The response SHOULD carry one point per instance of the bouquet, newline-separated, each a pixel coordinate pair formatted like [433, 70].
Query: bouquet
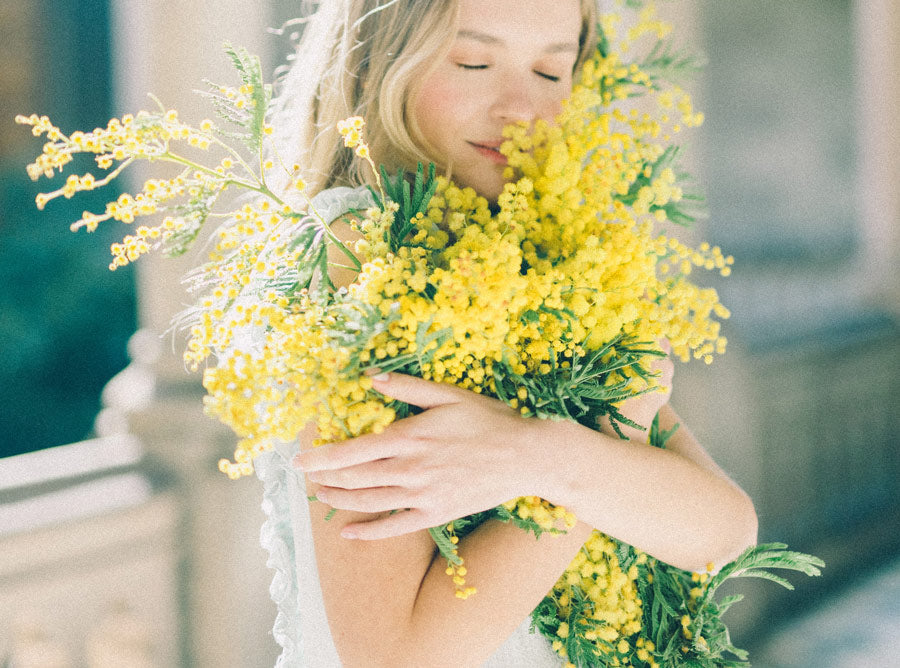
[553, 303]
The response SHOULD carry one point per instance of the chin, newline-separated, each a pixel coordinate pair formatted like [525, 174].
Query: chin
[491, 192]
[488, 185]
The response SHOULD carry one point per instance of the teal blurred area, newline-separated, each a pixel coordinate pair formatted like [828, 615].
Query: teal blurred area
[64, 318]
[799, 158]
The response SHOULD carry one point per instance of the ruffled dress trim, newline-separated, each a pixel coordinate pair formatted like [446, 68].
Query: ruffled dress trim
[276, 537]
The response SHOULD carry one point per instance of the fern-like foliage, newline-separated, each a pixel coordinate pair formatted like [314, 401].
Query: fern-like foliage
[248, 110]
[666, 62]
[411, 200]
[194, 214]
[684, 211]
[583, 391]
[672, 596]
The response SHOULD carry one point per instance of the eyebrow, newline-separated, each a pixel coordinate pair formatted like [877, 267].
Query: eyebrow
[484, 38]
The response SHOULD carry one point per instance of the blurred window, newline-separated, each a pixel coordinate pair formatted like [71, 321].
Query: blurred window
[64, 317]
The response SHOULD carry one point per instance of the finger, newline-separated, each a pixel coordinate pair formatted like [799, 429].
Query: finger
[370, 500]
[397, 524]
[380, 473]
[417, 391]
[665, 346]
[366, 448]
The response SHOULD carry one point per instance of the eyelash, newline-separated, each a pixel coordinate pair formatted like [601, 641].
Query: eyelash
[549, 77]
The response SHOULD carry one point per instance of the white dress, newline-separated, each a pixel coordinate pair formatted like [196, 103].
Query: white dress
[301, 627]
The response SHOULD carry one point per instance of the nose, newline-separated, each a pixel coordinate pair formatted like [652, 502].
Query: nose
[514, 101]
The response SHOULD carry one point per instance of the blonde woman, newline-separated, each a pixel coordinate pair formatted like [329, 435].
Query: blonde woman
[437, 81]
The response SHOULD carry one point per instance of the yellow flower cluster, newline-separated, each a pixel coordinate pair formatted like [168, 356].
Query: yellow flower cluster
[351, 131]
[133, 246]
[610, 611]
[240, 97]
[456, 569]
[142, 136]
[568, 263]
[545, 514]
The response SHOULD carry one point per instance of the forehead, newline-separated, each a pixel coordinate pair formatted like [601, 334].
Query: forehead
[534, 22]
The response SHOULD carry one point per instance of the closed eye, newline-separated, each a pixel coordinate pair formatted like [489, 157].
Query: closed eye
[544, 75]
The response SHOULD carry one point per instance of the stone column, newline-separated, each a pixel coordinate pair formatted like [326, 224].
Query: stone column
[169, 48]
[878, 98]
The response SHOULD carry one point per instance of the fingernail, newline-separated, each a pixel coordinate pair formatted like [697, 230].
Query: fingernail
[382, 376]
[297, 463]
[349, 533]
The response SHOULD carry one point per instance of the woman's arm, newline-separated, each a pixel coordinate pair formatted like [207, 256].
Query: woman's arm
[675, 504]
[389, 602]
[465, 453]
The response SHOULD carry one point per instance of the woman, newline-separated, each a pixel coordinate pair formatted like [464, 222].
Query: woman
[438, 82]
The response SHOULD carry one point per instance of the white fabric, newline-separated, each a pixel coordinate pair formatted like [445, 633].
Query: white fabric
[301, 626]
[335, 202]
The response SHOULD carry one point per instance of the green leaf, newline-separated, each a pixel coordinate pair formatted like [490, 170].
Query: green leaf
[768, 555]
[728, 601]
[665, 62]
[658, 438]
[410, 201]
[441, 538]
[250, 71]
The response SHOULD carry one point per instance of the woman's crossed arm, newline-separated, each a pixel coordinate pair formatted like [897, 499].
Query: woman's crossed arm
[388, 599]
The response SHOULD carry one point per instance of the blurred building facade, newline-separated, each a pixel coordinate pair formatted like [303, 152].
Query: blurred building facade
[133, 545]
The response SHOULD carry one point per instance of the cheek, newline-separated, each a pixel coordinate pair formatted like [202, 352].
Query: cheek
[438, 106]
[553, 105]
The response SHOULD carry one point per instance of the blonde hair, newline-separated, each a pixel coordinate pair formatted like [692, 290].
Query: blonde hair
[368, 58]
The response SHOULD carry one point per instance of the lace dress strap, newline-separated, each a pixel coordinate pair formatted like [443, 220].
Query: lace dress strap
[335, 202]
[276, 537]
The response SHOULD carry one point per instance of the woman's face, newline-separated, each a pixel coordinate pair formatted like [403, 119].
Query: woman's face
[511, 60]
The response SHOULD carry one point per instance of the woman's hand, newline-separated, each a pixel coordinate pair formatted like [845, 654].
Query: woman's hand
[461, 455]
[642, 409]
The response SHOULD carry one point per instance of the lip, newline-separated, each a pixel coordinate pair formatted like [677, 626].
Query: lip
[490, 150]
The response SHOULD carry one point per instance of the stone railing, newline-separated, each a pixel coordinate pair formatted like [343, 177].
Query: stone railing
[132, 547]
[89, 559]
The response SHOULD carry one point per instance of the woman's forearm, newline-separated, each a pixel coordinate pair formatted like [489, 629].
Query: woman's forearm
[674, 504]
[390, 603]
[677, 505]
